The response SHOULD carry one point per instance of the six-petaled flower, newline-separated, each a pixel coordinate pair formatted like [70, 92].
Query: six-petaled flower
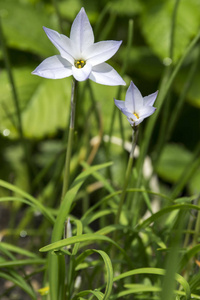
[136, 107]
[80, 56]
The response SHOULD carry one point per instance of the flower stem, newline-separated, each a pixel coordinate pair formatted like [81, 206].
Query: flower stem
[70, 140]
[128, 173]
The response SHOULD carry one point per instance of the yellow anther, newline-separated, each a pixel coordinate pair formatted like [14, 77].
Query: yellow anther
[79, 63]
[136, 115]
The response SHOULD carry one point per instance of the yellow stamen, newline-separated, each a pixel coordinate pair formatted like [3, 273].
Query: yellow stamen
[136, 115]
[79, 63]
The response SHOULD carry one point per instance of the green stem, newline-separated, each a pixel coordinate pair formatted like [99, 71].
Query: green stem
[70, 141]
[128, 174]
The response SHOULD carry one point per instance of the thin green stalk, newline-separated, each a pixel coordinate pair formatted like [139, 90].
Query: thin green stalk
[127, 176]
[167, 113]
[124, 66]
[70, 141]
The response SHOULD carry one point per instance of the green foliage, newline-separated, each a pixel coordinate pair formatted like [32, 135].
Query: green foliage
[153, 251]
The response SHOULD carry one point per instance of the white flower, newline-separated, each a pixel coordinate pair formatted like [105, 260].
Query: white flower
[136, 107]
[80, 56]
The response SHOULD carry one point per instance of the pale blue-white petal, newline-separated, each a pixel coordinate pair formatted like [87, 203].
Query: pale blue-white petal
[105, 74]
[62, 43]
[101, 51]
[146, 111]
[134, 99]
[82, 73]
[54, 67]
[149, 100]
[120, 104]
[129, 115]
[81, 32]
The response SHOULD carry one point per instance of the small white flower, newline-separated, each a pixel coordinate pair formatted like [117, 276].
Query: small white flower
[136, 107]
[80, 56]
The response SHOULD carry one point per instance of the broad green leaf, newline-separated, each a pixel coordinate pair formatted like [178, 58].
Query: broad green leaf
[48, 109]
[22, 25]
[156, 23]
[193, 94]
[126, 7]
[44, 103]
[172, 162]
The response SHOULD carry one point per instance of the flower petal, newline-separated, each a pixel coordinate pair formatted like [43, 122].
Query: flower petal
[81, 32]
[101, 51]
[120, 104]
[62, 43]
[134, 99]
[129, 115]
[146, 111]
[149, 100]
[54, 67]
[82, 73]
[105, 74]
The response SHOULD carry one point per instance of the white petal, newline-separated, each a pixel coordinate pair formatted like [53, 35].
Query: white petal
[82, 73]
[120, 104]
[134, 99]
[149, 100]
[129, 115]
[105, 74]
[54, 67]
[81, 32]
[146, 111]
[62, 43]
[138, 121]
[101, 51]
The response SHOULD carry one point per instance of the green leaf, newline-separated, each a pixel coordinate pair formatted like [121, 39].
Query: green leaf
[173, 160]
[78, 239]
[157, 271]
[33, 202]
[164, 211]
[126, 7]
[193, 94]
[109, 270]
[24, 262]
[44, 103]
[19, 281]
[108, 266]
[18, 250]
[22, 24]
[156, 25]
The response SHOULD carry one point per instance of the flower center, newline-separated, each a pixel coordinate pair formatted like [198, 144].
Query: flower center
[136, 115]
[80, 63]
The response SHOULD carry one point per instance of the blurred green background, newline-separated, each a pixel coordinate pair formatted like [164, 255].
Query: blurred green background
[44, 103]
